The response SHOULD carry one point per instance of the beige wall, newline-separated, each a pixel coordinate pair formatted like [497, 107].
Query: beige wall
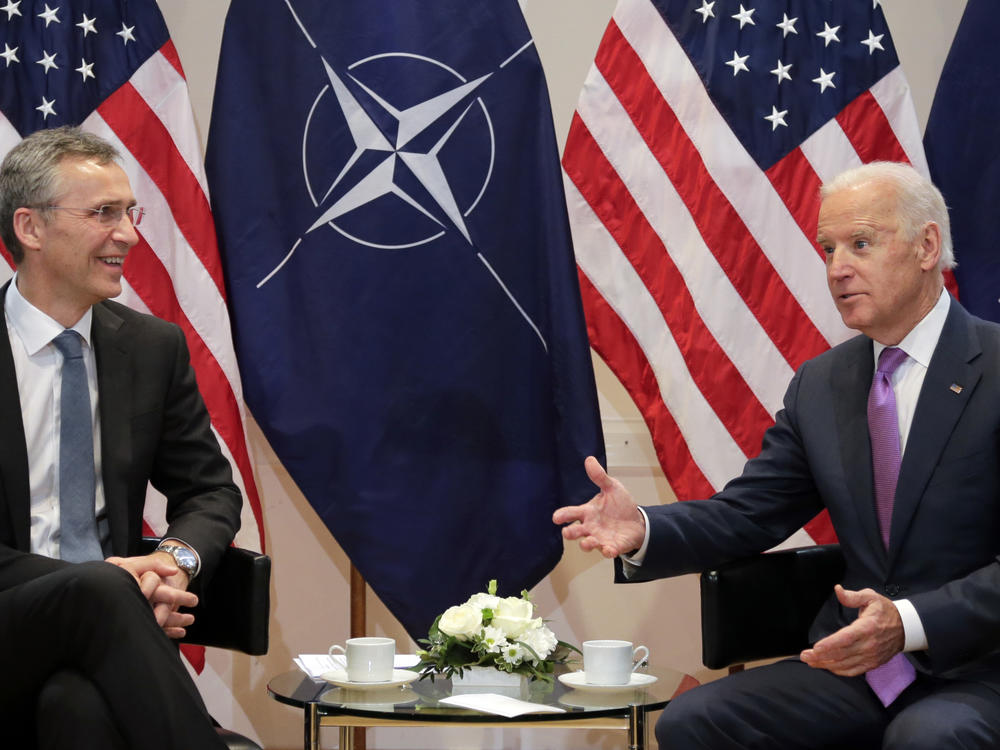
[310, 570]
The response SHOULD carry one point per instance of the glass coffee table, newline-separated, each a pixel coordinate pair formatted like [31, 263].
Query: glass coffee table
[418, 704]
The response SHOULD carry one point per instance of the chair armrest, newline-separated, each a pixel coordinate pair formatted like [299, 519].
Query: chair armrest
[234, 611]
[762, 607]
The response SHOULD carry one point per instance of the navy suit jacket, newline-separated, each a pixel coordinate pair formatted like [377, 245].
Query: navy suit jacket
[945, 535]
[154, 428]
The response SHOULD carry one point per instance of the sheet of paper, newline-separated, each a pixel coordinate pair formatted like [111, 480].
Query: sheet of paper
[315, 665]
[502, 705]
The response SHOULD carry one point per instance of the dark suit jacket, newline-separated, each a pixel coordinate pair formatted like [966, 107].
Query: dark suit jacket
[945, 535]
[154, 428]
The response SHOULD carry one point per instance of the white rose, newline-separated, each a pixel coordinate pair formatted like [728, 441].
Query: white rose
[484, 601]
[513, 616]
[541, 640]
[462, 621]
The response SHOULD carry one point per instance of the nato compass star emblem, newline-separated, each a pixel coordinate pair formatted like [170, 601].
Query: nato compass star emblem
[403, 158]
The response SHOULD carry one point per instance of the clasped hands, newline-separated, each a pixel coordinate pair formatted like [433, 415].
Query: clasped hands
[165, 587]
[611, 523]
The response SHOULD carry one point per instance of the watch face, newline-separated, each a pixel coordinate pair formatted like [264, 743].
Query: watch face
[184, 558]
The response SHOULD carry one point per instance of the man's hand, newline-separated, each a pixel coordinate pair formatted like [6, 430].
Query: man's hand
[165, 586]
[874, 638]
[610, 521]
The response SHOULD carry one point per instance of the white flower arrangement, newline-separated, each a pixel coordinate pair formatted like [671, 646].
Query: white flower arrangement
[492, 631]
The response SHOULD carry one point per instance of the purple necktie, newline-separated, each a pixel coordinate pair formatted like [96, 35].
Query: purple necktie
[892, 678]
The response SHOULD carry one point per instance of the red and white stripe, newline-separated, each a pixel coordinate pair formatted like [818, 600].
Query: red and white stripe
[701, 282]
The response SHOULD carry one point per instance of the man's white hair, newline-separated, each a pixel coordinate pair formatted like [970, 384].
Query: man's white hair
[918, 201]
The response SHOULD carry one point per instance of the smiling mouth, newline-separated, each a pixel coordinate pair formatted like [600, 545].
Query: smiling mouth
[116, 261]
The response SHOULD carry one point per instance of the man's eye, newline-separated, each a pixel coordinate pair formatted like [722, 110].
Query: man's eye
[861, 244]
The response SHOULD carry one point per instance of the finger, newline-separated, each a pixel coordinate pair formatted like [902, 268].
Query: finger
[568, 514]
[163, 565]
[148, 584]
[161, 612]
[174, 597]
[854, 599]
[575, 531]
[597, 474]
[609, 551]
[178, 620]
[589, 543]
[175, 633]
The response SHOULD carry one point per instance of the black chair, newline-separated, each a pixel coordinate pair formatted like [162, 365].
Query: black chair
[761, 607]
[233, 613]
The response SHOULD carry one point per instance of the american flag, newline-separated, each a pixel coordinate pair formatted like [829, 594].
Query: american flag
[111, 67]
[692, 169]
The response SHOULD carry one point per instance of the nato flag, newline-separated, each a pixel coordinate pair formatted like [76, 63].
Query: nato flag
[963, 153]
[386, 186]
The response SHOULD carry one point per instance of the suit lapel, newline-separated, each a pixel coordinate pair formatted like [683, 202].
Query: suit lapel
[114, 396]
[851, 383]
[939, 408]
[16, 489]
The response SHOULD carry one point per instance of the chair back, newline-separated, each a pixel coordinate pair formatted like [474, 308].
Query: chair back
[234, 611]
[762, 607]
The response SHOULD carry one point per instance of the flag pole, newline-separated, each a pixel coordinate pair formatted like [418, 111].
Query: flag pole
[358, 617]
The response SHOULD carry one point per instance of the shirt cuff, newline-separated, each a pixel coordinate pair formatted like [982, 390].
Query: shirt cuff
[197, 557]
[635, 560]
[914, 637]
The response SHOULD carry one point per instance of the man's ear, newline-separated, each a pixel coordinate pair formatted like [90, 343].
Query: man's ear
[930, 246]
[29, 228]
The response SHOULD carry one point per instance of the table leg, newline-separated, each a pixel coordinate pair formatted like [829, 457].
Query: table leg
[311, 726]
[347, 738]
[637, 727]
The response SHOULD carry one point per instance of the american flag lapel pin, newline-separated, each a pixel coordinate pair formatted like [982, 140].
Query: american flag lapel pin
[956, 388]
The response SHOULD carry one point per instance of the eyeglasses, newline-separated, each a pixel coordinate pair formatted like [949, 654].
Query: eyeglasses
[107, 214]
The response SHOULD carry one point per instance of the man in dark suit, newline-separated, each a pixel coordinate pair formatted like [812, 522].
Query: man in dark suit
[906, 651]
[88, 658]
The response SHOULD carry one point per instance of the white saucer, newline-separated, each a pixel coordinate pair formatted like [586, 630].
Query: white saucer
[578, 680]
[338, 677]
[370, 700]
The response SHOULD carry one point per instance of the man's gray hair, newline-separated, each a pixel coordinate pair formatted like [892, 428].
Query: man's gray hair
[30, 171]
[918, 201]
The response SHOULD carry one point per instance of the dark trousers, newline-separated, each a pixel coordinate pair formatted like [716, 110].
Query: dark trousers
[790, 705]
[85, 665]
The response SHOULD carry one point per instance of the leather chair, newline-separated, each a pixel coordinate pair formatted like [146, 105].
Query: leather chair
[761, 607]
[233, 613]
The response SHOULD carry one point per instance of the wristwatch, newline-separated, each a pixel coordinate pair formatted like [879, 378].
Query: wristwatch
[186, 559]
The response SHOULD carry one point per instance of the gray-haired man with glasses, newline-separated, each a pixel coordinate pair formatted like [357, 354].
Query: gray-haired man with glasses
[96, 401]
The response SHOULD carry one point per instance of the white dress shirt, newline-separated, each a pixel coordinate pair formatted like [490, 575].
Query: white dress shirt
[907, 380]
[38, 367]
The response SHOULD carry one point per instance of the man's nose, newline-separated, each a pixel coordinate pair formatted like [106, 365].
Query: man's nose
[125, 231]
[838, 263]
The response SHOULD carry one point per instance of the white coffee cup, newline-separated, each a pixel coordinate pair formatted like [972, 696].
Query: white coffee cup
[611, 662]
[369, 659]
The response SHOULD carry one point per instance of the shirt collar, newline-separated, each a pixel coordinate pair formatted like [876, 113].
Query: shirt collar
[35, 328]
[920, 343]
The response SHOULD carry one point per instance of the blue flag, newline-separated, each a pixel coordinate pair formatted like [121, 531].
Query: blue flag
[963, 153]
[387, 192]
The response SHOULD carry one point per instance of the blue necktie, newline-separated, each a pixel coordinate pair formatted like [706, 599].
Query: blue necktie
[893, 677]
[78, 540]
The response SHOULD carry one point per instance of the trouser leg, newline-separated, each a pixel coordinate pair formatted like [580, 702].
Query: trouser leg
[938, 714]
[92, 618]
[782, 706]
[72, 714]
